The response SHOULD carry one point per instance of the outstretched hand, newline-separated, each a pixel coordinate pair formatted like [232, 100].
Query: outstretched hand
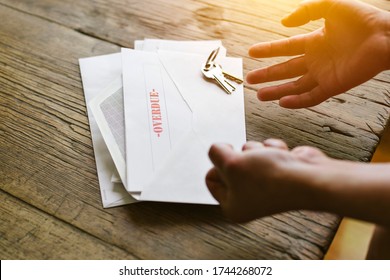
[352, 47]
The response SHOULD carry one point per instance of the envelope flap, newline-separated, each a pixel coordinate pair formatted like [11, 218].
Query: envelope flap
[181, 179]
[218, 117]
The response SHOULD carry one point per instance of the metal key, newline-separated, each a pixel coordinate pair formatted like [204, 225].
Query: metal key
[220, 70]
[213, 72]
[230, 76]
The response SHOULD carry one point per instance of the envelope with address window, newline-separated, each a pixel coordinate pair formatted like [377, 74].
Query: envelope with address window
[172, 116]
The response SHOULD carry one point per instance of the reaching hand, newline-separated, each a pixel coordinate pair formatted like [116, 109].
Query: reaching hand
[264, 179]
[352, 47]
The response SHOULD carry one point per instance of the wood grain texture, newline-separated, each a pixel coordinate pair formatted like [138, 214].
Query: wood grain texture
[30, 233]
[48, 175]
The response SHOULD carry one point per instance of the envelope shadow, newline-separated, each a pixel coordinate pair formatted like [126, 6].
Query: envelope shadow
[162, 213]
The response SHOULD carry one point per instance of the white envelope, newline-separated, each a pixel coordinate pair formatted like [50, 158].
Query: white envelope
[215, 116]
[112, 127]
[156, 116]
[97, 73]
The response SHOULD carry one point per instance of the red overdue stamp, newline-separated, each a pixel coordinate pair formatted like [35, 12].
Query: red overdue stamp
[156, 112]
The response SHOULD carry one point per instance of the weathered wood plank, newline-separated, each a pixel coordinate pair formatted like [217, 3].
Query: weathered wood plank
[28, 233]
[45, 147]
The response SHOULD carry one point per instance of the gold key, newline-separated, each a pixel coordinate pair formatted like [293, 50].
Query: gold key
[214, 72]
[230, 76]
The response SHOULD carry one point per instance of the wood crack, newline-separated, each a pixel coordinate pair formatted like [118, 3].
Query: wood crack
[330, 128]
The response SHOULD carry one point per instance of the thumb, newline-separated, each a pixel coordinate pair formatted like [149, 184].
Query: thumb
[219, 154]
[307, 11]
[216, 185]
[216, 178]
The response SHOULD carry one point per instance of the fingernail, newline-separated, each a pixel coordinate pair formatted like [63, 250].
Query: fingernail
[275, 143]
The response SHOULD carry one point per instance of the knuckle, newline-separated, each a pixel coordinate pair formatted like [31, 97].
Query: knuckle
[233, 165]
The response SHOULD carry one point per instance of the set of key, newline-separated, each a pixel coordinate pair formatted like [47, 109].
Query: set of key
[213, 70]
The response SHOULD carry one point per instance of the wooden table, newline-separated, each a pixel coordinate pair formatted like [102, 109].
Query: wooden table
[50, 205]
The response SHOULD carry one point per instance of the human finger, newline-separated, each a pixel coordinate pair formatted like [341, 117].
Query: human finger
[219, 154]
[289, 69]
[303, 84]
[284, 47]
[252, 145]
[215, 184]
[304, 100]
[307, 11]
[307, 153]
[275, 143]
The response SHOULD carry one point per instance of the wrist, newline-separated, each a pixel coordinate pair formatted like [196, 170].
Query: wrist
[309, 187]
[320, 185]
[357, 190]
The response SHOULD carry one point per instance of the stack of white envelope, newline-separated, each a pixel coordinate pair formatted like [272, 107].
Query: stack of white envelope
[153, 117]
